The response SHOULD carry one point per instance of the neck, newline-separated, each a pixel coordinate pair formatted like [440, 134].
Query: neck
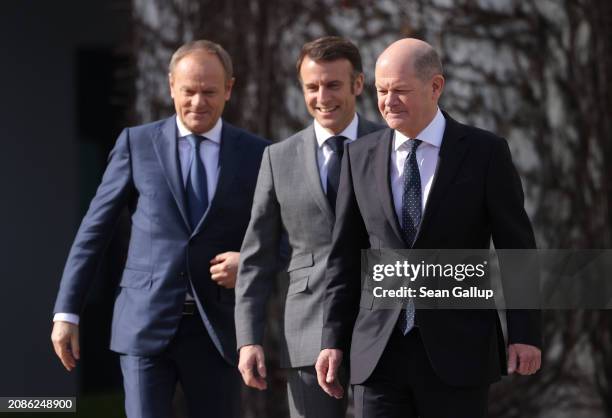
[411, 132]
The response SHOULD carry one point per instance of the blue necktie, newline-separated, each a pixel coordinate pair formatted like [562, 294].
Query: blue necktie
[197, 189]
[336, 143]
[411, 217]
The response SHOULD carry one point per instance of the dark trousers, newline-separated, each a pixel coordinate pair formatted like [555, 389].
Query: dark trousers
[211, 385]
[404, 384]
[308, 400]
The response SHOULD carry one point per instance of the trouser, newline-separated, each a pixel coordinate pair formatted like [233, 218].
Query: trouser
[405, 385]
[210, 384]
[308, 400]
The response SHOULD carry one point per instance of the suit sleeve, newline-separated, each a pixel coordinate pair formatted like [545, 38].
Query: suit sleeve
[511, 229]
[259, 259]
[342, 275]
[96, 228]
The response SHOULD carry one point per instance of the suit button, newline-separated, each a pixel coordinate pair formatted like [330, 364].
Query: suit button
[182, 274]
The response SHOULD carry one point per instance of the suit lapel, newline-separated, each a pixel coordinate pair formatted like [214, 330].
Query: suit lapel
[451, 155]
[382, 158]
[229, 166]
[365, 127]
[308, 154]
[166, 148]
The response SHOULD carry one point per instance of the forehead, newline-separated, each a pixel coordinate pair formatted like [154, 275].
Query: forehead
[395, 77]
[394, 67]
[317, 71]
[199, 65]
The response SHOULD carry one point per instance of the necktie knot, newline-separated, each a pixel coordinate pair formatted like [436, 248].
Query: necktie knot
[414, 144]
[195, 140]
[336, 143]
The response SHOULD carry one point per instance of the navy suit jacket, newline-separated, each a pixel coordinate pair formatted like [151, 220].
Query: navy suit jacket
[143, 174]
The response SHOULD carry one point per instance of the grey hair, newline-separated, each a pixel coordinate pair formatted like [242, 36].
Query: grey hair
[203, 45]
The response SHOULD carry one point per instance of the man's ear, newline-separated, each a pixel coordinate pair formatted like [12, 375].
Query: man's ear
[228, 88]
[171, 84]
[437, 85]
[358, 84]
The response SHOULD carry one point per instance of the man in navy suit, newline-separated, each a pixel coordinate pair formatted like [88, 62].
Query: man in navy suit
[188, 183]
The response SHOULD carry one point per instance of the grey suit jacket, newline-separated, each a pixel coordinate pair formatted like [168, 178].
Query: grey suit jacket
[288, 199]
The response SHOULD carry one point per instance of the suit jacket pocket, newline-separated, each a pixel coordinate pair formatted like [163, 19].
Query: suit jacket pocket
[136, 279]
[299, 270]
[300, 261]
[297, 285]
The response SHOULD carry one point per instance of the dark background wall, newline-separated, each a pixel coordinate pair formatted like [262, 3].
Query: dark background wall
[50, 158]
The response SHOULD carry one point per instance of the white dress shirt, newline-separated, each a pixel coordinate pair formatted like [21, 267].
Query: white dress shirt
[209, 153]
[324, 151]
[426, 156]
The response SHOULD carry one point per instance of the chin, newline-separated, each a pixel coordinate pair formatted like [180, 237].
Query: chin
[392, 124]
[199, 126]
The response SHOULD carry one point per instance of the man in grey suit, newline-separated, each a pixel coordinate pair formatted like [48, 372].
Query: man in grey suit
[188, 183]
[295, 194]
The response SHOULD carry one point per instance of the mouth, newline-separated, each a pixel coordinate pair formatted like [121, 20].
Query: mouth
[393, 114]
[197, 114]
[327, 110]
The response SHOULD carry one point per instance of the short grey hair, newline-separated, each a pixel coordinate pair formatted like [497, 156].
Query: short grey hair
[203, 45]
[426, 64]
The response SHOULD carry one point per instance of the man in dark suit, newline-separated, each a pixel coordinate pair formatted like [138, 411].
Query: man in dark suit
[428, 182]
[188, 182]
[295, 194]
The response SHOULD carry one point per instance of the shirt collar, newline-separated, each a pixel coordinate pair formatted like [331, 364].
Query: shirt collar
[214, 134]
[432, 134]
[349, 132]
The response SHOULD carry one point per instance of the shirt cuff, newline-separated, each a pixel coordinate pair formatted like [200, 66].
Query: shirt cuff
[66, 317]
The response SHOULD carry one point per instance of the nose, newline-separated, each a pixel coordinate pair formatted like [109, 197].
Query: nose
[322, 95]
[197, 100]
[391, 99]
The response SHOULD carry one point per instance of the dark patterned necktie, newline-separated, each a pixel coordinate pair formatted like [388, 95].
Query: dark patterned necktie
[411, 218]
[336, 143]
[197, 189]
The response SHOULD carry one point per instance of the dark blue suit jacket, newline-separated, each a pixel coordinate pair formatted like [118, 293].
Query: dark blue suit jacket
[143, 174]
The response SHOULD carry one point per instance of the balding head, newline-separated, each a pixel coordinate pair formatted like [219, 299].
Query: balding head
[409, 82]
[415, 54]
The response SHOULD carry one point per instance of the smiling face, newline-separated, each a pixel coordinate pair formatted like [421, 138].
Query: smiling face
[199, 89]
[330, 92]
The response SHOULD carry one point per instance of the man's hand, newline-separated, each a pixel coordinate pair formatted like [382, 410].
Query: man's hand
[65, 338]
[528, 357]
[224, 268]
[252, 366]
[327, 367]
